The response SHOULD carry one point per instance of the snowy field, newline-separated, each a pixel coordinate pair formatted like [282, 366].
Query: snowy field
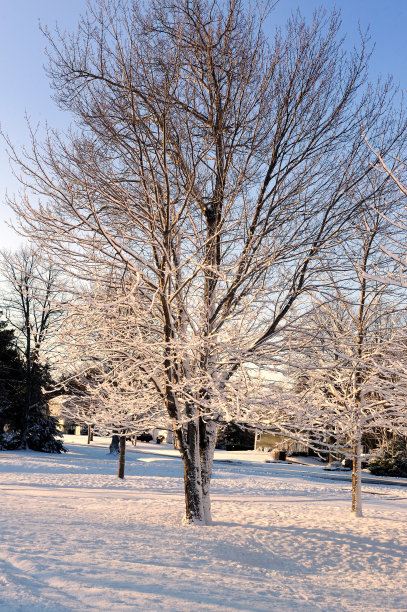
[73, 537]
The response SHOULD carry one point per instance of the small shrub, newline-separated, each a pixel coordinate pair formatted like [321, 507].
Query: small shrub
[9, 440]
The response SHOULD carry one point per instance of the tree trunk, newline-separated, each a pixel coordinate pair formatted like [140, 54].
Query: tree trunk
[114, 445]
[28, 375]
[197, 442]
[357, 479]
[90, 434]
[122, 457]
[208, 433]
[194, 512]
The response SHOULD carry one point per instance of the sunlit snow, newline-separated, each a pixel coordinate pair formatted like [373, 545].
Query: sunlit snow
[74, 537]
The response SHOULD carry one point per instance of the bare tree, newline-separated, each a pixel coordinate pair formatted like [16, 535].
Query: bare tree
[395, 169]
[212, 169]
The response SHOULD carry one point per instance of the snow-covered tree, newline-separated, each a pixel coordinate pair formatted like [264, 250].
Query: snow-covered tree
[349, 383]
[212, 170]
[106, 379]
[104, 375]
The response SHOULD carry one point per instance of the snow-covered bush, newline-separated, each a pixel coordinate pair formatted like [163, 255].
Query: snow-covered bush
[9, 440]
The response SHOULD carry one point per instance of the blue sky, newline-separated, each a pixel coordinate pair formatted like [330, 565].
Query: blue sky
[25, 89]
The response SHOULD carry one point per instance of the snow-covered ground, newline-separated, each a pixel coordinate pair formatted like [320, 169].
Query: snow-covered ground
[74, 537]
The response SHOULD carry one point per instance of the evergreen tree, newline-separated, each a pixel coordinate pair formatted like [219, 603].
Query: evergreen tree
[25, 420]
[392, 460]
[39, 431]
[11, 388]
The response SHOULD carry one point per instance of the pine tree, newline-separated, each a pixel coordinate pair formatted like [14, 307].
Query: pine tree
[25, 420]
[40, 428]
[393, 459]
[11, 388]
